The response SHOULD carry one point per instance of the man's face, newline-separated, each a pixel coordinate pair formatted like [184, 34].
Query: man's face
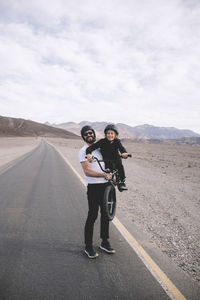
[89, 137]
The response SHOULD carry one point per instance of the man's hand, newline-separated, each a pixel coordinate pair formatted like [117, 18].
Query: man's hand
[124, 155]
[91, 173]
[108, 176]
[89, 157]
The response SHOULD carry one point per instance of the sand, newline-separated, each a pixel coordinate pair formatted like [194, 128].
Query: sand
[163, 197]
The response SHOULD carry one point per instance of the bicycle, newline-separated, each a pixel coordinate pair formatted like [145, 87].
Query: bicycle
[109, 200]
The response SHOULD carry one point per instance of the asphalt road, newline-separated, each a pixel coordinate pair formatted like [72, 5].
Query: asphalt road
[43, 208]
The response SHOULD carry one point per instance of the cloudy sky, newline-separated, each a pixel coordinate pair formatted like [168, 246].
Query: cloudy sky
[127, 61]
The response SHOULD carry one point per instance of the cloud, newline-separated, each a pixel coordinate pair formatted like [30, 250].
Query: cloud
[133, 62]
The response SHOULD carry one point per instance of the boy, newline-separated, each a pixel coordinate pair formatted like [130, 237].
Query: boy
[110, 147]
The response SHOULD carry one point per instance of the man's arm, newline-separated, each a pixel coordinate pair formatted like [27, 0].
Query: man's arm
[91, 173]
[93, 147]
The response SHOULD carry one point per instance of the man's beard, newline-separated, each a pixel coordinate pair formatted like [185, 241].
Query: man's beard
[90, 139]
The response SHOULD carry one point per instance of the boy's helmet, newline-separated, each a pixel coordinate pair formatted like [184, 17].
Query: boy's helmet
[86, 128]
[111, 127]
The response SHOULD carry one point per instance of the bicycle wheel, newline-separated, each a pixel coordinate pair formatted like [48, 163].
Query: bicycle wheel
[109, 202]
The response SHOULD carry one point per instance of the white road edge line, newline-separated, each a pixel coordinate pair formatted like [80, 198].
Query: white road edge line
[170, 289]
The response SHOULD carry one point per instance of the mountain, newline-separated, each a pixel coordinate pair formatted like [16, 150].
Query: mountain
[21, 127]
[153, 132]
[137, 132]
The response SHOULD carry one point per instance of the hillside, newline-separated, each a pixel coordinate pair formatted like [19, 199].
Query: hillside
[20, 127]
[137, 132]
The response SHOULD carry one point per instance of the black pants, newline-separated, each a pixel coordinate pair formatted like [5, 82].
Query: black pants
[117, 163]
[95, 193]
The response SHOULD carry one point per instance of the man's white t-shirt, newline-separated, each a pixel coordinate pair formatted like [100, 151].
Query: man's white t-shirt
[94, 165]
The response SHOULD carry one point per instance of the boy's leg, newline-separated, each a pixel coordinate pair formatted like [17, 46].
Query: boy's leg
[109, 165]
[120, 169]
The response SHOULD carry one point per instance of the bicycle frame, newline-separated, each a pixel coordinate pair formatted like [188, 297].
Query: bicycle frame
[115, 175]
[109, 199]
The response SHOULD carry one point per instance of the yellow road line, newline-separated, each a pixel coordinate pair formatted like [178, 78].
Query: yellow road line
[152, 266]
[160, 276]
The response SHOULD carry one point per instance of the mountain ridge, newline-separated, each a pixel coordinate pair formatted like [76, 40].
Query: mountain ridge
[20, 127]
[144, 131]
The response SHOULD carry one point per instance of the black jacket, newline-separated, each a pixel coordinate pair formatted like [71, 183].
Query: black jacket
[109, 151]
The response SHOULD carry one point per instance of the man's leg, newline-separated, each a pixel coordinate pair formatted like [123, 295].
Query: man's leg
[93, 207]
[104, 223]
[105, 245]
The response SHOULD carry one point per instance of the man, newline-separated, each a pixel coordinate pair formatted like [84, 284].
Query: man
[96, 182]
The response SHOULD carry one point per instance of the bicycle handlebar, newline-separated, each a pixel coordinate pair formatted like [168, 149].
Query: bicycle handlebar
[99, 161]
[93, 157]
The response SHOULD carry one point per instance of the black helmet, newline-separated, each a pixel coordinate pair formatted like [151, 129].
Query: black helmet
[86, 128]
[111, 127]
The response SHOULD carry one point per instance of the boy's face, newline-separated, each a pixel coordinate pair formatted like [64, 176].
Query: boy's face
[111, 135]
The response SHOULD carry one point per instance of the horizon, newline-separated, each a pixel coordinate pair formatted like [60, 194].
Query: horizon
[47, 122]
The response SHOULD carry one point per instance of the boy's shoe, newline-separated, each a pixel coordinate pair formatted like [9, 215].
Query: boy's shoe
[90, 252]
[105, 245]
[122, 186]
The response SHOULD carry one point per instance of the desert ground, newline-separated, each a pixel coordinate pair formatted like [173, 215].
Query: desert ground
[163, 197]
[11, 148]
